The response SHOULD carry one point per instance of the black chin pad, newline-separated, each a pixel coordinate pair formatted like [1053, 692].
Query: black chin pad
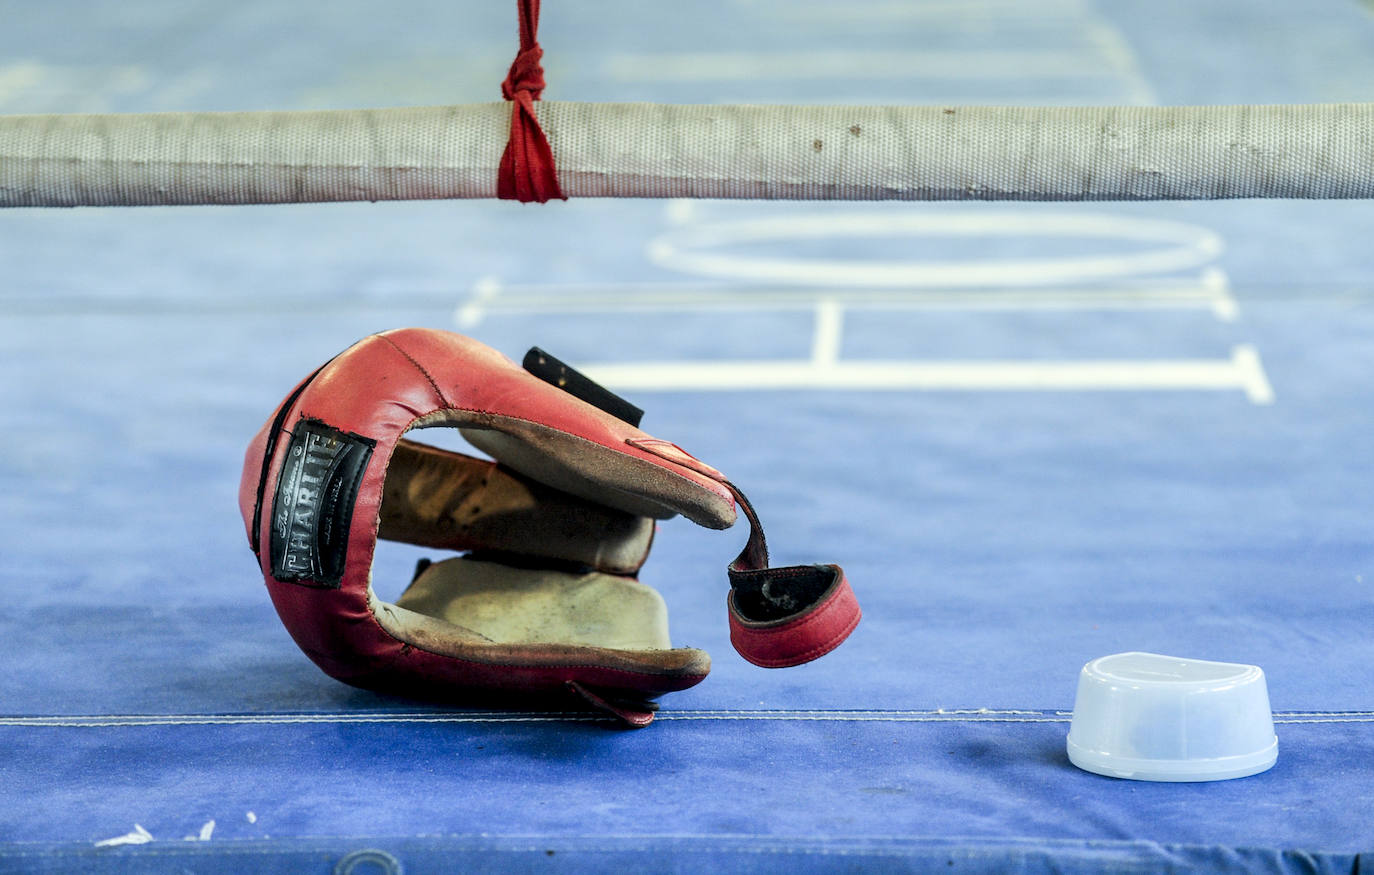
[768, 594]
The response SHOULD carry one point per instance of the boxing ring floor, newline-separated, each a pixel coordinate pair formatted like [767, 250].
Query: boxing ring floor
[1151, 435]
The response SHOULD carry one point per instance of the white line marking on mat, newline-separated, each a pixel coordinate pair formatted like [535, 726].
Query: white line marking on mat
[1247, 362]
[19, 77]
[1216, 287]
[1242, 371]
[1209, 291]
[472, 311]
[26, 85]
[938, 10]
[825, 344]
[1112, 46]
[839, 65]
[720, 249]
[680, 211]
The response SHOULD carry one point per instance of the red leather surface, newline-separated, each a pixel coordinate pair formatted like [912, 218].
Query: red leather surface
[802, 638]
[377, 389]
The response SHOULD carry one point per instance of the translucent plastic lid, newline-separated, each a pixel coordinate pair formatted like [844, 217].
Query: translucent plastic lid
[1164, 718]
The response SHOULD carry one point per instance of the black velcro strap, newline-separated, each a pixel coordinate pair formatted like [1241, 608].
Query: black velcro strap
[579, 385]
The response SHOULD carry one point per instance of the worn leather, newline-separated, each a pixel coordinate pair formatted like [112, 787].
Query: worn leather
[572, 486]
[381, 387]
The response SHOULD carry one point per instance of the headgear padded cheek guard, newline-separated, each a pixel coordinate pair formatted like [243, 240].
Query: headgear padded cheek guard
[545, 600]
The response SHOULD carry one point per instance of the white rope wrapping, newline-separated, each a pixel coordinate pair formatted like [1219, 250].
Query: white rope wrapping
[654, 150]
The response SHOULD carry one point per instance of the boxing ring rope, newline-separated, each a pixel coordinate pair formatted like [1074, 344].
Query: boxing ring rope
[684, 151]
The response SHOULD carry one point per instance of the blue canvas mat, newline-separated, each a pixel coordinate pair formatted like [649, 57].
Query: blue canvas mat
[156, 717]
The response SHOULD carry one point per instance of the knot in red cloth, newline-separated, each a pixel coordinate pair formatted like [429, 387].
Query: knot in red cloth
[527, 171]
[525, 75]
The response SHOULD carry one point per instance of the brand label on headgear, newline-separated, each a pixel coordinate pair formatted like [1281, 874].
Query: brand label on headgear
[313, 508]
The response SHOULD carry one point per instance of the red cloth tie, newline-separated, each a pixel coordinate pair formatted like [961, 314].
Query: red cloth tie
[527, 170]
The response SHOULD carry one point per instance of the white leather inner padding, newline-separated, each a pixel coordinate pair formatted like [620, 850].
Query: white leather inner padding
[506, 605]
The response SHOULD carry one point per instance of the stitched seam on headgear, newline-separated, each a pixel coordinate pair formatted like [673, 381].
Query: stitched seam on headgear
[419, 367]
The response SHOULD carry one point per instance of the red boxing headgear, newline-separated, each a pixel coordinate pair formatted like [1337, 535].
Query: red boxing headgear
[545, 600]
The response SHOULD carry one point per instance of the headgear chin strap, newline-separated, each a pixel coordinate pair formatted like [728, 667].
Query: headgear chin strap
[544, 599]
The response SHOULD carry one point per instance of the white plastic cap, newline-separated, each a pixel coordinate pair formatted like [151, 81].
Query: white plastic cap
[1163, 718]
